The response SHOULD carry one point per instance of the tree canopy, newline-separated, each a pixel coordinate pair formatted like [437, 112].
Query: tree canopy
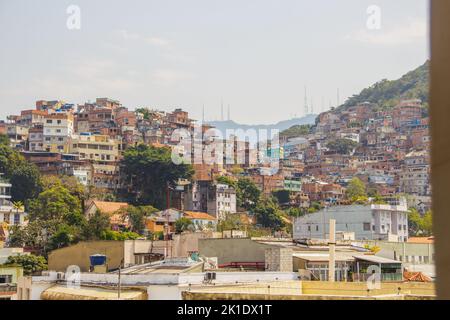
[356, 189]
[269, 215]
[24, 176]
[148, 171]
[342, 146]
[420, 225]
[247, 194]
[29, 263]
[296, 131]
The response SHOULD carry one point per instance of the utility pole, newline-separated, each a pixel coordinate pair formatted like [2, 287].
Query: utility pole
[332, 253]
[167, 226]
[120, 280]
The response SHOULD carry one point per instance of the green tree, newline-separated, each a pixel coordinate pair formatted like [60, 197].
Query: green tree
[296, 131]
[56, 203]
[4, 140]
[36, 234]
[427, 224]
[227, 181]
[269, 215]
[30, 263]
[24, 176]
[282, 196]
[342, 146]
[296, 212]
[247, 194]
[137, 215]
[182, 224]
[119, 235]
[420, 225]
[94, 228]
[356, 189]
[231, 222]
[26, 183]
[148, 171]
[63, 237]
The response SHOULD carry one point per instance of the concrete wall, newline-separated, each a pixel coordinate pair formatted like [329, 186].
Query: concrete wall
[405, 250]
[233, 250]
[185, 243]
[78, 254]
[312, 290]
[278, 259]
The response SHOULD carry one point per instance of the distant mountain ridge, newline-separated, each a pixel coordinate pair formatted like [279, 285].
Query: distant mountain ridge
[386, 93]
[281, 126]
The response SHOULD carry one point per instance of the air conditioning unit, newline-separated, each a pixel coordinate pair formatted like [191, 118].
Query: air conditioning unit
[60, 276]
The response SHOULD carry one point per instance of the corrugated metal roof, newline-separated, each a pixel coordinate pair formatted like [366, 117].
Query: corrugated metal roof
[375, 259]
[60, 292]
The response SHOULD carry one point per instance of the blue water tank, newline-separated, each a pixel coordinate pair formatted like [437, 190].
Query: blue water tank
[97, 259]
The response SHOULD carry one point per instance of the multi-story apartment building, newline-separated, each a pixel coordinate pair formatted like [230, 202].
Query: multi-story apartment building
[95, 147]
[268, 183]
[103, 153]
[217, 200]
[9, 213]
[415, 175]
[108, 103]
[17, 134]
[58, 128]
[406, 112]
[367, 222]
[36, 138]
[29, 118]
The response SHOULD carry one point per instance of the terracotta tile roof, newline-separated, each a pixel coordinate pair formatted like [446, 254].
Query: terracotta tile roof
[425, 240]
[118, 219]
[198, 215]
[109, 207]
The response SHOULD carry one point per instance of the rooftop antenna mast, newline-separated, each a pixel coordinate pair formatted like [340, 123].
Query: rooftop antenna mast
[221, 109]
[306, 103]
[203, 113]
[338, 98]
[229, 116]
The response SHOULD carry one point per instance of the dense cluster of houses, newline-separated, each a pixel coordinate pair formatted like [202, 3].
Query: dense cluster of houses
[391, 153]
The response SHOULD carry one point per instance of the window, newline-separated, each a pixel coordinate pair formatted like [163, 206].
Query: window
[16, 218]
[366, 226]
[6, 217]
[317, 228]
[7, 278]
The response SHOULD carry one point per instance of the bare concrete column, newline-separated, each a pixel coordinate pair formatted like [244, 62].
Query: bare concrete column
[440, 131]
[332, 246]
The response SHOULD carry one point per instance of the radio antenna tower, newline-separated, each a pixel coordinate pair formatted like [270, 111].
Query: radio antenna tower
[306, 103]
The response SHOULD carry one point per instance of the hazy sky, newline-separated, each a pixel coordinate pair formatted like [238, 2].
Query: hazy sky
[256, 55]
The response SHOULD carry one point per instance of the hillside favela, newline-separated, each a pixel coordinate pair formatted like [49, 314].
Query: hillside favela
[105, 201]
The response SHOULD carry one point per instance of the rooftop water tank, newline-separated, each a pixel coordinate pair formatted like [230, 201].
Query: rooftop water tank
[97, 259]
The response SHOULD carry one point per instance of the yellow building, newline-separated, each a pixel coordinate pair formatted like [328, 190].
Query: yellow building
[103, 153]
[96, 148]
